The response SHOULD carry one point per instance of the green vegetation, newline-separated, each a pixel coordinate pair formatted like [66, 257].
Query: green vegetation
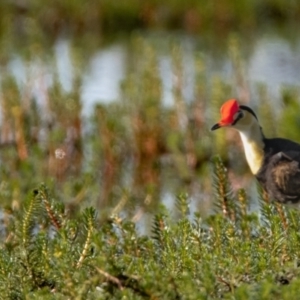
[78, 236]
[103, 16]
[129, 152]
[81, 213]
[233, 254]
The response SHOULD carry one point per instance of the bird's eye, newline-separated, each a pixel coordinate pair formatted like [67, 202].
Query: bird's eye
[238, 115]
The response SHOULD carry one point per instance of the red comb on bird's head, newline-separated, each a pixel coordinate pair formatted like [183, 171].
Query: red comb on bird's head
[228, 112]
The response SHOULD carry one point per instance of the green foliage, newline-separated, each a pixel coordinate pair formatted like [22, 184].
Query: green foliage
[289, 121]
[53, 247]
[225, 200]
[95, 15]
[231, 254]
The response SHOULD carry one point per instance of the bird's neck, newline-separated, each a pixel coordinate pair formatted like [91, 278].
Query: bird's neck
[253, 141]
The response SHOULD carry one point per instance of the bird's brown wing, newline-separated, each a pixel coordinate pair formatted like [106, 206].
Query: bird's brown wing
[283, 177]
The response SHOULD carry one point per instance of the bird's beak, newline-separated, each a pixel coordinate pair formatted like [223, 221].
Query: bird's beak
[216, 126]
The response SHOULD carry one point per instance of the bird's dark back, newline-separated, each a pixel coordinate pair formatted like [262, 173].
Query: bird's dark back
[273, 146]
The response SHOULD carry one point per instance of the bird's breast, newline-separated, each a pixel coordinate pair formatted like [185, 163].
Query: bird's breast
[255, 156]
[254, 149]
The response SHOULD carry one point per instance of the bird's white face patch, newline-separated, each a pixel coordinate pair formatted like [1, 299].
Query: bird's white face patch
[244, 121]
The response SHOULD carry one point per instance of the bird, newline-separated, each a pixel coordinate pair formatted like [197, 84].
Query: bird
[275, 162]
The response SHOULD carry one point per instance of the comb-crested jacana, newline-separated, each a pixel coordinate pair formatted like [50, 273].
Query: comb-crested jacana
[274, 162]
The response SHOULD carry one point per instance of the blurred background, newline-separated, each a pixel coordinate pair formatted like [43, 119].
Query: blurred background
[111, 102]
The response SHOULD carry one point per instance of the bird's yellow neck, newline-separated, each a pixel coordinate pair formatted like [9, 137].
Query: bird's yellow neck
[252, 139]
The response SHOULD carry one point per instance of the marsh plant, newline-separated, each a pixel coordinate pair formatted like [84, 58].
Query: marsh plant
[49, 252]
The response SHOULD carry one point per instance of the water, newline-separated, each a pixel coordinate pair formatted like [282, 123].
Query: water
[273, 61]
